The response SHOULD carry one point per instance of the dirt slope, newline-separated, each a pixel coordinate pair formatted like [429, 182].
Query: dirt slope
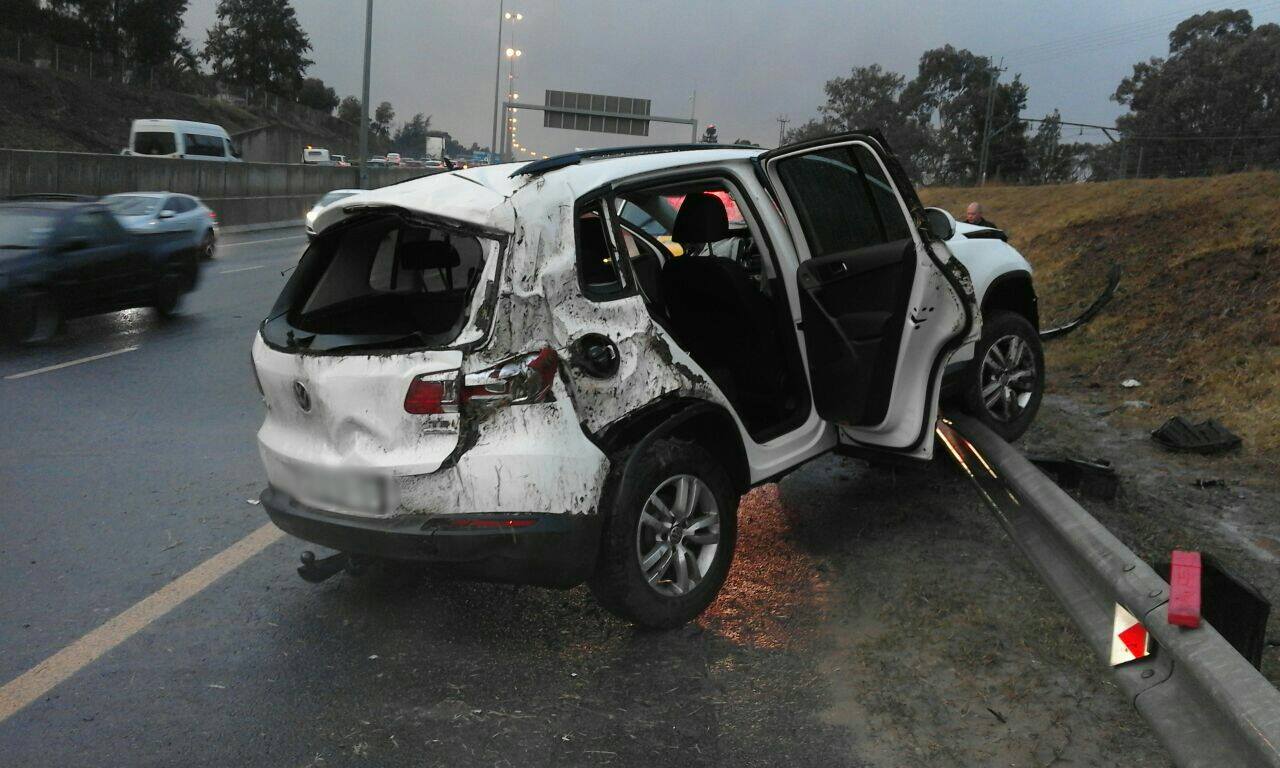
[1197, 316]
[40, 109]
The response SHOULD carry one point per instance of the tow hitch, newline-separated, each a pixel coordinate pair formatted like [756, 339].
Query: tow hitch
[316, 571]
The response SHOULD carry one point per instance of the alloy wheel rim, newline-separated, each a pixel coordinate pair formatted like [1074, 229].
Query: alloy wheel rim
[678, 535]
[1008, 377]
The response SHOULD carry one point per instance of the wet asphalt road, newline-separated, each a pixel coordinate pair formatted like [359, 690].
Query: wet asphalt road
[121, 474]
[125, 472]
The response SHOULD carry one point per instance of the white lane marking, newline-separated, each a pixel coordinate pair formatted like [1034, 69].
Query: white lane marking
[43, 677]
[259, 242]
[70, 363]
[240, 269]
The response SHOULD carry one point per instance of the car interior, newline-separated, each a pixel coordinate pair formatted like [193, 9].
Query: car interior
[389, 277]
[704, 279]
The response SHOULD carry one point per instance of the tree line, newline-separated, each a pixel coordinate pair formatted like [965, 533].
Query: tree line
[1212, 104]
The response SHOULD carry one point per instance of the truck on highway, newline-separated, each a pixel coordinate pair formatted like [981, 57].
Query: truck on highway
[63, 258]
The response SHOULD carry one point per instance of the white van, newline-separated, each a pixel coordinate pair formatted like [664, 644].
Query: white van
[316, 156]
[181, 139]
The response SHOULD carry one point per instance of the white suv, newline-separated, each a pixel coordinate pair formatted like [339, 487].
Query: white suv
[570, 370]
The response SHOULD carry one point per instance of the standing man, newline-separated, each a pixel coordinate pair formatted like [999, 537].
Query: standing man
[973, 215]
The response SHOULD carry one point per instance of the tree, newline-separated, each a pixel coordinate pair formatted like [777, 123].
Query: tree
[950, 94]
[315, 94]
[709, 136]
[1221, 81]
[258, 45]
[1049, 161]
[411, 138]
[744, 142]
[146, 34]
[382, 118]
[349, 110]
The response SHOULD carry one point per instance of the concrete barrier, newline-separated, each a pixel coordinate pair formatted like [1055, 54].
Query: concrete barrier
[242, 194]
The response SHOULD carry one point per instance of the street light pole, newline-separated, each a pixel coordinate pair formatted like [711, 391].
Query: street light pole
[497, 81]
[364, 96]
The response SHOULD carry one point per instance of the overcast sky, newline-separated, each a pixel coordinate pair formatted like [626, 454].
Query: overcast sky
[749, 60]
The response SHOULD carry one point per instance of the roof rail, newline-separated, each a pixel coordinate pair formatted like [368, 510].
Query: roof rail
[573, 158]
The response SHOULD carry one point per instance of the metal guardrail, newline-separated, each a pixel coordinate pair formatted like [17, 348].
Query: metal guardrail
[1206, 703]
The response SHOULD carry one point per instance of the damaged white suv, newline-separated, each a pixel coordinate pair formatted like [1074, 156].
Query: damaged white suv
[570, 370]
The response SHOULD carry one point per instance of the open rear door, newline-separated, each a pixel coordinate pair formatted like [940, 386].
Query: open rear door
[883, 302]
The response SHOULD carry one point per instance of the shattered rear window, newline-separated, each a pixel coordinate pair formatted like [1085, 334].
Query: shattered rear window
[389, 281]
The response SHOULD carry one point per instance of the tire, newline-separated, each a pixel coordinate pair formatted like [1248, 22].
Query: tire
[169, 293]
[33, 319]
[666, 594]
[1005, 382]
[208, 246]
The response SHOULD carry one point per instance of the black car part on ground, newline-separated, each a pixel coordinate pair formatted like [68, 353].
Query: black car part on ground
[1095, 478]
[1104, 298]
[1209, 436]
[1208, 705]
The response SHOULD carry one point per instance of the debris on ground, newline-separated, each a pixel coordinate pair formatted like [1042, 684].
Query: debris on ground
[1096, 479]
[1130, 383]
[1209, 482]
[1209, 436]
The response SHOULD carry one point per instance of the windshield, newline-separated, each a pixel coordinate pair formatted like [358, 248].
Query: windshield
[333, 197]
[25, 227]
[132, 205]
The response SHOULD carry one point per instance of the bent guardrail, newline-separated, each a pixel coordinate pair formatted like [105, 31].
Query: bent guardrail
[1206, 703]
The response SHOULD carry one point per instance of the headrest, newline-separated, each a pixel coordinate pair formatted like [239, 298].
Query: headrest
[428, 254]
[702, 219]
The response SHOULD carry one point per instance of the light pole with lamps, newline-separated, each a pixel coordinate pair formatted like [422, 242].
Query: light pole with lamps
[503, 16]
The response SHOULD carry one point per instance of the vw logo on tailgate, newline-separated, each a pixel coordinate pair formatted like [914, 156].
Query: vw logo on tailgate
[303, 397]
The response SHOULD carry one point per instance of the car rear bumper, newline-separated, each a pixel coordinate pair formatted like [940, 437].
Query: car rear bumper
[553, 550]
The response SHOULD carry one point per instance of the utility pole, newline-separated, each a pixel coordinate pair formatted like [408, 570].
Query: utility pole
[364, 96]
[986, 124]
[693, 115]
[497, 84]
[782, 128]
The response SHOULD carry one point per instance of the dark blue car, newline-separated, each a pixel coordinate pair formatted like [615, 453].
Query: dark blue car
[70, 258]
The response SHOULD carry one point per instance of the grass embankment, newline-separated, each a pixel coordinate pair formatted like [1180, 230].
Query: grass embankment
[1197, 315]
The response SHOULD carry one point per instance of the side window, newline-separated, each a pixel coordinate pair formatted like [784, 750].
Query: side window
[896, 226]
[173, 204]
[94, 227]
[599, 272]
[185, 204]
[832, 200]
[203, 145]
[154, 143]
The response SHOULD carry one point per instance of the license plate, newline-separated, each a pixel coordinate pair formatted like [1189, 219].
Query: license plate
[336, 490]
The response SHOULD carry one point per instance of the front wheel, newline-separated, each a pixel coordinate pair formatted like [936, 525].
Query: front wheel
[669, 536]
[33, 319]
[1005, 382]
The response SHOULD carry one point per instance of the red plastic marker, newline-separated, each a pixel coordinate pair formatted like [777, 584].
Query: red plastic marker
[1184, 589]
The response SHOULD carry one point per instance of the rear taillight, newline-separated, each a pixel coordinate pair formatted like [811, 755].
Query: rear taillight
[432, 393]
[519, 381]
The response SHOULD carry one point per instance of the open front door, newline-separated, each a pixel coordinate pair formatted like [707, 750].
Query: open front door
[883, 303]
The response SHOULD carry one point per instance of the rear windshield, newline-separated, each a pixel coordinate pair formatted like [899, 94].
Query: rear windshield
[388, 282]
[132, 205]
[154, 143]
[25, 227]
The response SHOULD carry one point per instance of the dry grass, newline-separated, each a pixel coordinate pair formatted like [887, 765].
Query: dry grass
[1197, 316]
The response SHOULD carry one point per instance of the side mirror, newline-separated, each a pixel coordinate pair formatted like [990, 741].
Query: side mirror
[166, 214]
[941, 224]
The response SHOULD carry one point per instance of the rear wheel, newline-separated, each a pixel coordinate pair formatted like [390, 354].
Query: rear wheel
[208, 246]
[1005, 381]
[169, 294]
[669, 536]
